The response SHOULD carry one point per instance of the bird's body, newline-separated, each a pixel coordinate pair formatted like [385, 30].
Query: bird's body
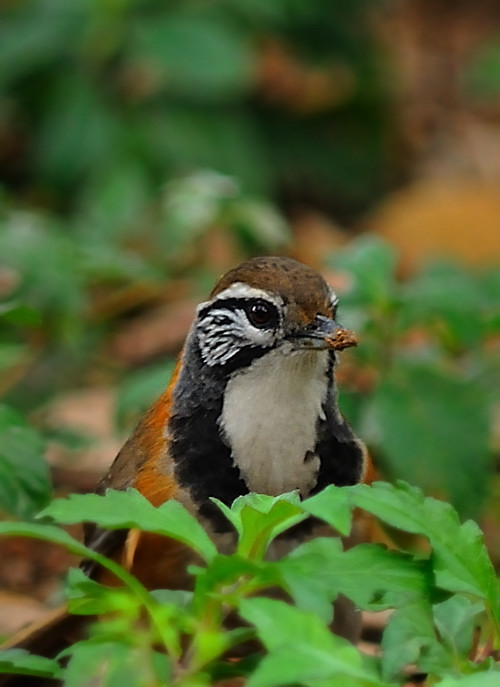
[252, 406]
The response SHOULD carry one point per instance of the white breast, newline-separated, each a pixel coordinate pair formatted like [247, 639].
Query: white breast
[270, 417]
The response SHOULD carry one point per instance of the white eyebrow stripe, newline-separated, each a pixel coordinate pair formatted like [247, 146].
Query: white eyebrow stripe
[244, 291]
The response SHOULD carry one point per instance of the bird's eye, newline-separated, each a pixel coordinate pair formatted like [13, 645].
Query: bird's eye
[261, 314]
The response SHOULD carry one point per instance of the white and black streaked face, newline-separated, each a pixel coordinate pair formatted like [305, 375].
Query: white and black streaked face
[240, 318]
[243, 322]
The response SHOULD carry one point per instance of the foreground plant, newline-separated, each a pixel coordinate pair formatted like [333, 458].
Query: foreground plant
[446, 619]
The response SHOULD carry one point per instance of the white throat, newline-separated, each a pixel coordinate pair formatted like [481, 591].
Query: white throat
[270, 416]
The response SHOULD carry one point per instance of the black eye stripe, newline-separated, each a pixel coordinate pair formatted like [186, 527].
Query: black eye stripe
[245, 304]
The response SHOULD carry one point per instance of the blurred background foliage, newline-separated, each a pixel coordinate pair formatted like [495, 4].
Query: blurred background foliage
[145, 147]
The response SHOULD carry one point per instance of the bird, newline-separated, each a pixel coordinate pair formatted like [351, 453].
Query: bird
[252, 406]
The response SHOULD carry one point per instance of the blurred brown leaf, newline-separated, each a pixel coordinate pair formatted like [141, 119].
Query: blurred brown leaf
[456, 219]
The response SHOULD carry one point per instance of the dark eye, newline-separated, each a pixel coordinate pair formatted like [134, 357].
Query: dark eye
[261, 314]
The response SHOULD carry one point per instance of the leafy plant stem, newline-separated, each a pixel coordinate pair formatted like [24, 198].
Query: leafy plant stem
[152, 608]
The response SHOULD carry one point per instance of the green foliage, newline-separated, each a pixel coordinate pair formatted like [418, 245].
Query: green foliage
[50, 316]
[426, 409]
[446, 602]
[291, 660]
[482, 73]
[153, 89]
[142, 515]
[24, 474]
[138, 391]
[134, 137]
[21, 662]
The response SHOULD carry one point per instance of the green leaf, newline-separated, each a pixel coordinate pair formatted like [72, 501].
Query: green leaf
[410, 638]
[370, 264]
[88, 597]
[489, 679]
[259, 518]
[196, 54]
[78, 131]
[301, 648]
[52, 285]
[333, 506]
[455, 620]
[448, 300]
[33, 37]
[114, 201]
[438, 438]
[308, 575]
[103, 259]
[112, 664]
[17, 313]
[368, 574]
[21, 662]
[24, 474]
[125, 510]
[49, 533]
[460, 559]
[229, 578]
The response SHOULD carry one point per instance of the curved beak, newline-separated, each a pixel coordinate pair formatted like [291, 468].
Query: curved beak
[324, 333]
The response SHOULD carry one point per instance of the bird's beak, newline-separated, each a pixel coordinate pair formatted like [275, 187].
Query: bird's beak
[324, 333]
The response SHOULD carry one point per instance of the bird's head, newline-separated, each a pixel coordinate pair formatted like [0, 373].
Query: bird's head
[254, 404]
[268, 304]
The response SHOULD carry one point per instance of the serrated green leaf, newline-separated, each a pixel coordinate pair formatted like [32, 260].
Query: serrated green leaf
[301, 648]
[21, 662]
[368, 574]
[129, 509]
[410, 638]
[333, 506]
[259, 518]
[308, 574]
[460, 559]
